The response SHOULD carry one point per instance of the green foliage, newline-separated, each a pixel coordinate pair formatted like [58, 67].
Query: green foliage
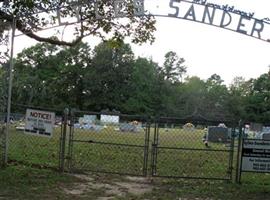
[258, 103]
[194, 96]
[3, 87]
[96, 18]
[144, 92]
[217, 98]
[110, 77]
[35, 75]
[239, 92]
[173, 70]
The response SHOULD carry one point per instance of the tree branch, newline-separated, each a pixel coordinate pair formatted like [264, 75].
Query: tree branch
[21, 27]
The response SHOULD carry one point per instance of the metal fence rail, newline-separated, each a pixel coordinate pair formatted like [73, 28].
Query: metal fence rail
[179, 151]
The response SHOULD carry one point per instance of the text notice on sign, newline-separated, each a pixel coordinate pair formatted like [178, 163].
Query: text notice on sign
[39, 123]
[256, 156]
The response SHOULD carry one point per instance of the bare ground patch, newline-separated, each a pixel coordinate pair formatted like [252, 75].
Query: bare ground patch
[109, 188]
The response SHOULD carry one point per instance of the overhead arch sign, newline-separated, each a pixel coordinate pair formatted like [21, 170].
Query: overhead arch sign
[223, 16]
[202, 11]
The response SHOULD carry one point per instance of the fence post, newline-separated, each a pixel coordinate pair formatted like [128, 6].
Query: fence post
[239, 149]
[63, 141]
[146, 147]
[231, 154]
[70, 139]
[154, 149]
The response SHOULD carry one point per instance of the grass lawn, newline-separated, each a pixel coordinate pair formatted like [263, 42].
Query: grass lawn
[96, 151]
[253, 187]
[23, 182]
[34, 180]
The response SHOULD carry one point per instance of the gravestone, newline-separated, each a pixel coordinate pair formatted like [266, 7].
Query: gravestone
[127, 127]
[130, 127]
[266, 129]
[109, 119]
[89, 119]
[81, 120]
[256, 127]
[218, 134]
[189, 127]
[266, 136]
[92, 127]
[77, 125]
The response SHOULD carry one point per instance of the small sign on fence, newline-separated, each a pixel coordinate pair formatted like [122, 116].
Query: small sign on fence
[256, 156]
[39, 123]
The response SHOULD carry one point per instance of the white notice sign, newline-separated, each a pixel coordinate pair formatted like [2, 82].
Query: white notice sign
[39, 122]
[256, 156]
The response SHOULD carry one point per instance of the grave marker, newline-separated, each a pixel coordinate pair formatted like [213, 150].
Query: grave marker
[217, 134]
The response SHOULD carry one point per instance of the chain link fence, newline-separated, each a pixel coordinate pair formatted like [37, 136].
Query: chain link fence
[31, 149]
[192, 149]
[127, 144]
[108, 142]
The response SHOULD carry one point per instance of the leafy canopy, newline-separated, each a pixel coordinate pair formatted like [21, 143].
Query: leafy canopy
[96, 18]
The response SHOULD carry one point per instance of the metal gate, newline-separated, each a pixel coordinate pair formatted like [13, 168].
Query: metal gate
[178, 150]
[115, 143]
[109, 143]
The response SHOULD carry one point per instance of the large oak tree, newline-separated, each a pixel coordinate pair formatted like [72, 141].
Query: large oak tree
[94, 17]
